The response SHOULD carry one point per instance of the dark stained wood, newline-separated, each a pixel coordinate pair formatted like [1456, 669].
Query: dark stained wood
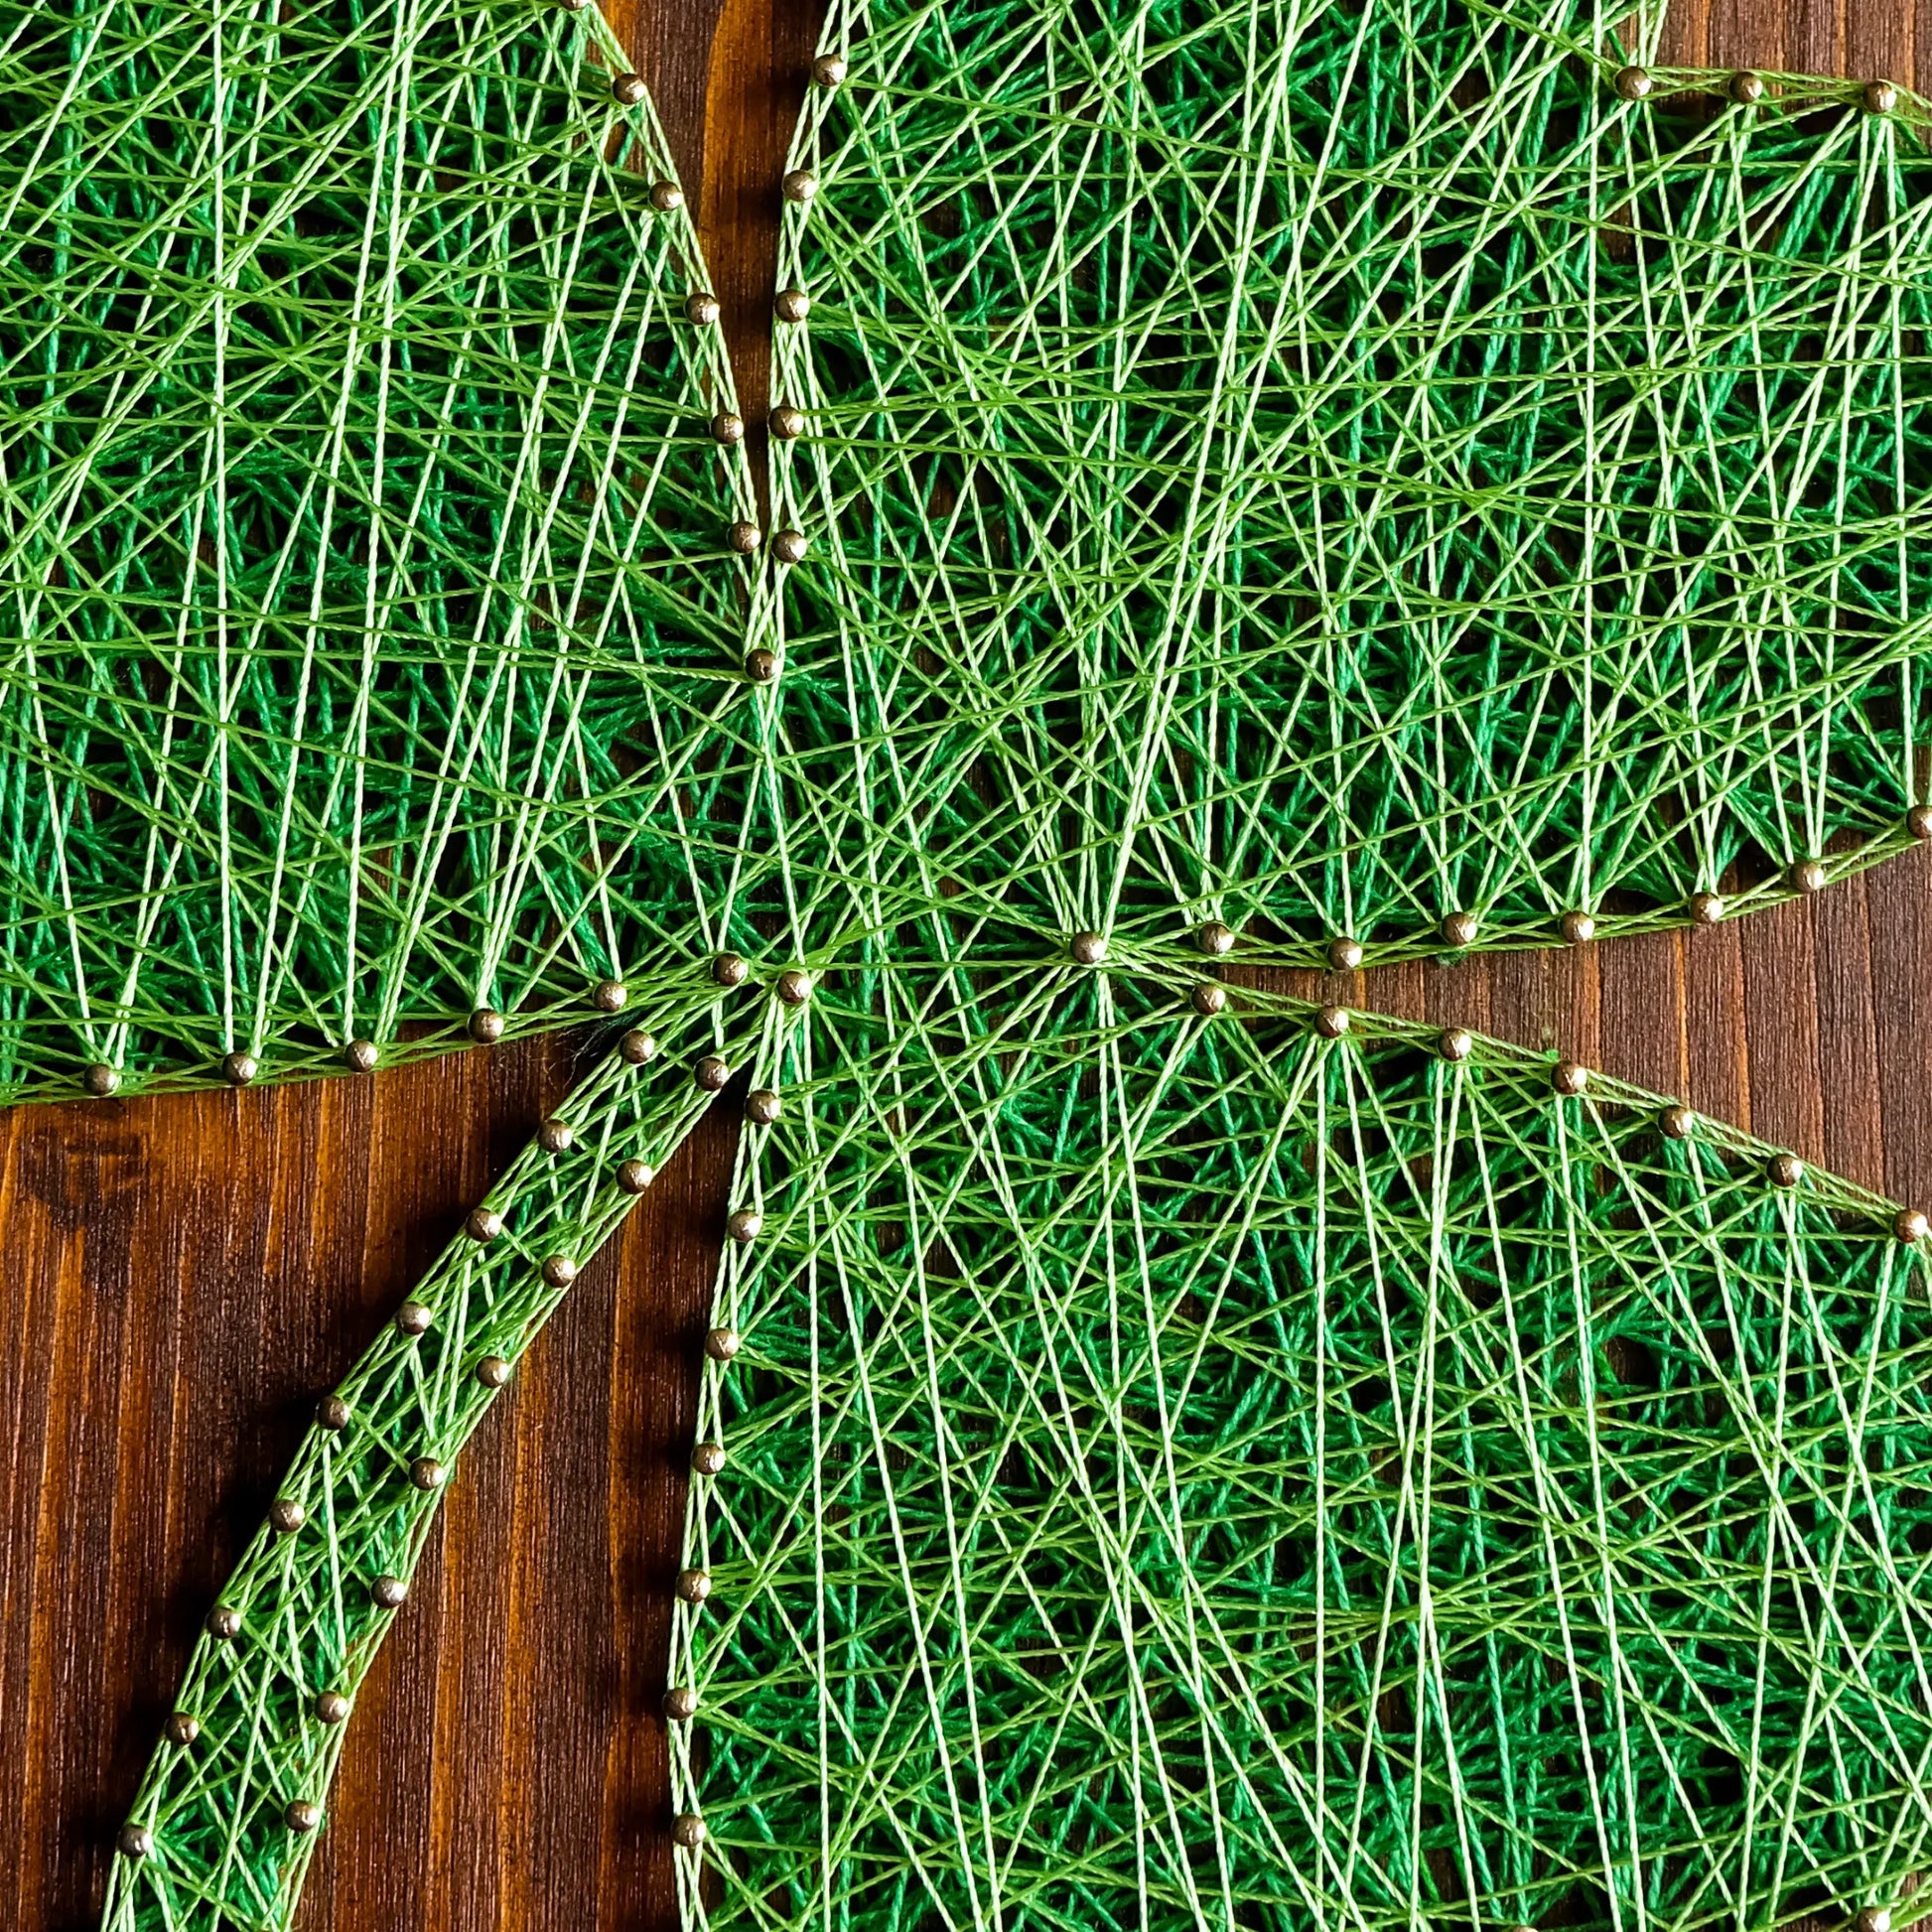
[180, 1277]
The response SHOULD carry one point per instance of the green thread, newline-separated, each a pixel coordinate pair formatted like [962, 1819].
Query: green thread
[1329, 493]
[1320, 470]
[371, 635]
[1330, 468]
[1176, 1471]
[1192, 1472]
[228, 1842]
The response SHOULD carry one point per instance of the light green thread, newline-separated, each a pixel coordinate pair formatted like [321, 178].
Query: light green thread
[1411, 481]
[1320, 470]
[1190, 1471]
[371, 638]
[224, 1849]
[1074, 1559]
[1329, 467]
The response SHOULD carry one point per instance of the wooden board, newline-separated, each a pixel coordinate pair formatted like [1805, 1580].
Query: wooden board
[180, 1277]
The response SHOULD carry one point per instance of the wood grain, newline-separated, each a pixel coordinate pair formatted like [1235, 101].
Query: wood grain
[180, 1277]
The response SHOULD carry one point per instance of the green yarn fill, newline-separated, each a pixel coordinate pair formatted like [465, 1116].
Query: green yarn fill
[1188, 1472]
[1332, 468]
[1316, 469]
[370, 634]
[1323, 471]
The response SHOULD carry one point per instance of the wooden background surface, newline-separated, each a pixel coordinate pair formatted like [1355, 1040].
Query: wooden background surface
[178, 1278]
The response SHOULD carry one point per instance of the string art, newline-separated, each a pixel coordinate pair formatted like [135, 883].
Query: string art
[1372, 476]
[1192, 1474]
[1344, 480]
[374, 630]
